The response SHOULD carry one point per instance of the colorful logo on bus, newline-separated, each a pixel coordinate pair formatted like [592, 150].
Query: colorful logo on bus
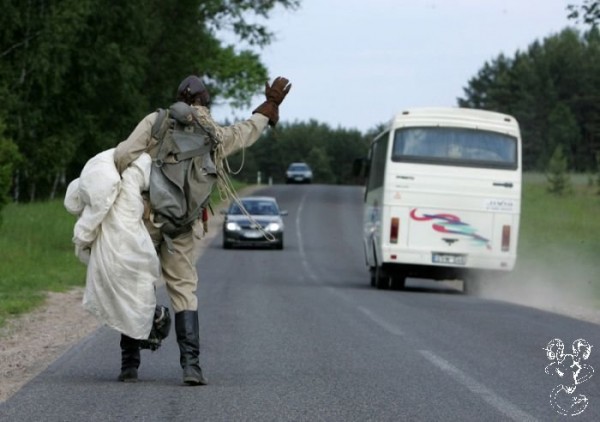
[449, 223]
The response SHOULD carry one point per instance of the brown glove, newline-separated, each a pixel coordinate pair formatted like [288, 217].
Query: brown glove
[278, 90]
[270, 110]
[275, 94]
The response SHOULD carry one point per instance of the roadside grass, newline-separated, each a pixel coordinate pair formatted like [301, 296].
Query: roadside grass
[559, 242]
[37, 255]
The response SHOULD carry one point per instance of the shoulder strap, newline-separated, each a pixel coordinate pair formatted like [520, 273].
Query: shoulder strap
[159, 129]
[161, 124]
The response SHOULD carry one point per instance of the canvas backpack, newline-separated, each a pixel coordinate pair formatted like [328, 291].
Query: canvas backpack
[183, 172]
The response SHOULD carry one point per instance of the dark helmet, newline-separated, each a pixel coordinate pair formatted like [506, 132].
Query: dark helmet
[192, 91]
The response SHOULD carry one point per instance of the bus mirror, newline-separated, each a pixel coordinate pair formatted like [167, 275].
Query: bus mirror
[359, 167]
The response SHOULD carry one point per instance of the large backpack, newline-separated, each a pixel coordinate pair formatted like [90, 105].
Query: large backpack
[183, 172]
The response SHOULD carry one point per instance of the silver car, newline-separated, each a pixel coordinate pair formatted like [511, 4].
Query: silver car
[258, 223]
[298, 173]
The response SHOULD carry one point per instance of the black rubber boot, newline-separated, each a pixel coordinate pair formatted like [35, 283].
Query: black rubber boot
[130, 359]
[188, 339]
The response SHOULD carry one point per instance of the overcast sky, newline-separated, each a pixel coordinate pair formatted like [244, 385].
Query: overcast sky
[354, 63]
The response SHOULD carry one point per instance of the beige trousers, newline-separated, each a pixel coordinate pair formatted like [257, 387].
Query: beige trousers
[179, 265]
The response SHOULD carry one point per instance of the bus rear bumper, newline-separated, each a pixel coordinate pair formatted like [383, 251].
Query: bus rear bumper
[421, 264]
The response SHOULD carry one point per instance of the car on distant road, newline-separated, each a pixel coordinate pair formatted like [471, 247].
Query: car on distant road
[298, 173]
[257, 222]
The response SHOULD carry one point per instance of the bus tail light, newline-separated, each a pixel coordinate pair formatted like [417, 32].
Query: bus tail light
[505, 238]
[394, 229]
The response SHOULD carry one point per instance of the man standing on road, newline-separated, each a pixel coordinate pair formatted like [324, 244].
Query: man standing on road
[178, 253]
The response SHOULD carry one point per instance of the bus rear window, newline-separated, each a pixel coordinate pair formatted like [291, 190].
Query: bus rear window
[455, 147]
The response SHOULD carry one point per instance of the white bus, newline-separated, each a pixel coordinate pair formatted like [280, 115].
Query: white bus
[443, 196]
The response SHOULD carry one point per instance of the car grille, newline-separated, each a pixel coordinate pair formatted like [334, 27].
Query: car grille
[248, 225]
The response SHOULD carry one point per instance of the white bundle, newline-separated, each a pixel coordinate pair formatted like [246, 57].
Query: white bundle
[123, 267]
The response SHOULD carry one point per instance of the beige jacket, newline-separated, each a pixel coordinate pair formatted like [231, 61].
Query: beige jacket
[229, 139]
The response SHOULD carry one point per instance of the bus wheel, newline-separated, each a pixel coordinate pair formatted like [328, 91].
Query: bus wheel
[382, 279]
[398, 282]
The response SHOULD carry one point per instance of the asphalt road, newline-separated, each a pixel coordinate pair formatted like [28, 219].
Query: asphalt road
[299, 335]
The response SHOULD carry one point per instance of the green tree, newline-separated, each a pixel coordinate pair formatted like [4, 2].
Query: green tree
[330, 152]
[559, 182]
[9, 157]
[563, 130]
[587, 106]
[35, 51]
[77, 75]
[598, 172]
[552, 89]
[587, 12]
[321, 165]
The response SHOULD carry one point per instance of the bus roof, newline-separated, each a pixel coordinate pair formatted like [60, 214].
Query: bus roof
[456, 116]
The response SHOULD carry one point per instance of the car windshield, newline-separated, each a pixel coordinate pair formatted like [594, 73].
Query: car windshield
[255, 208]
[298, 167]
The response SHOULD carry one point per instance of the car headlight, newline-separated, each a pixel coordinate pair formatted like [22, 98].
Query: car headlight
[232, 227]
[273, 227]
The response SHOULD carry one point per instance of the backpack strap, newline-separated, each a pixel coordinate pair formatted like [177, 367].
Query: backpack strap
[160, 126]
[159, 129]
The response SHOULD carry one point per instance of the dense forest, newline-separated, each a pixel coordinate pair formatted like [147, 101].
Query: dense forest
[76, 76]
[330, 152]
[553, 89]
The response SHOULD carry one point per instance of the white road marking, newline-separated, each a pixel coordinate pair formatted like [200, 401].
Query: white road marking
[500, 404]
[309, 271]
[382, 323]
[503, 406]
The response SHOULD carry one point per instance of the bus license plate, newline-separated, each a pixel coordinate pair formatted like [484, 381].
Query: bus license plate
[446, 258]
